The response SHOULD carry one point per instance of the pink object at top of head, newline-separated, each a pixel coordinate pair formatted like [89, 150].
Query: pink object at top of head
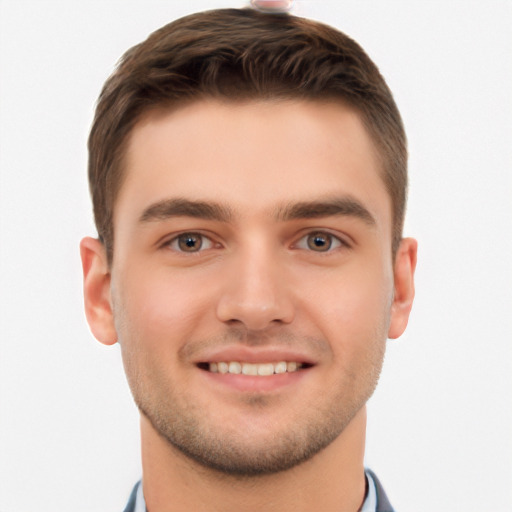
[272, 5]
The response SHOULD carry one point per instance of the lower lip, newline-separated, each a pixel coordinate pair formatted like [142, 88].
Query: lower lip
[250, 383]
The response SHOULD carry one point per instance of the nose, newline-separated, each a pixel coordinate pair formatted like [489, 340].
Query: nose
[255, 292]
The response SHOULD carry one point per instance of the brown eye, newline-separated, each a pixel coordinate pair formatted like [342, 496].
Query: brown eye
[190, 242]
[320, 242]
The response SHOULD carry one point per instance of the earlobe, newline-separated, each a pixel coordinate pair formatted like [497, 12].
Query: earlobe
[405, 264]
[97, 301]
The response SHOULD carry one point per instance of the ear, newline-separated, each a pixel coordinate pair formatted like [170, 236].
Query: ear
[97, 300]
[405, 264]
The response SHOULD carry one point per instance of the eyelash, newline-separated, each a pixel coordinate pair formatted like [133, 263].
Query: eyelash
[304, 242]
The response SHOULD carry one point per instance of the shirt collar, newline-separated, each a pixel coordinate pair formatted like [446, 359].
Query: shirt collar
[370, 503]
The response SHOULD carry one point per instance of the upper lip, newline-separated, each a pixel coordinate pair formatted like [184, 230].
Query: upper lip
[254, 355]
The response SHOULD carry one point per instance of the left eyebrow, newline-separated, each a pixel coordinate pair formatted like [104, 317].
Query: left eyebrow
[342, 206]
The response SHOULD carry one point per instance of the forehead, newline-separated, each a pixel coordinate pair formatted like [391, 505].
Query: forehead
[254, 156]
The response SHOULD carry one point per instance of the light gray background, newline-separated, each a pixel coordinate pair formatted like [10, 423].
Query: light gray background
[440, 424]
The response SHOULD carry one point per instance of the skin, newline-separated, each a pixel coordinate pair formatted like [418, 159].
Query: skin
[278, 179]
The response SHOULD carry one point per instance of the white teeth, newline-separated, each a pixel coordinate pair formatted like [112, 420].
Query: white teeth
[280, 367]
[262, 369]
[249, 369]
[222, 367]
[291, 367]
[265, 369]
[235, 367]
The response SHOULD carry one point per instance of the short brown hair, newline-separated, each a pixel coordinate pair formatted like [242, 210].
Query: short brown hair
[240, 54]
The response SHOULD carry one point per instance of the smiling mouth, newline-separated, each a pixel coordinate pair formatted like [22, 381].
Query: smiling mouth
[253, 369]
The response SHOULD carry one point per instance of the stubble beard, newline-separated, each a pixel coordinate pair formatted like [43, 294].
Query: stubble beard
[188, 429]
[228, 453]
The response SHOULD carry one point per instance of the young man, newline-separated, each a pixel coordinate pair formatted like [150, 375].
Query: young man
[248, 175]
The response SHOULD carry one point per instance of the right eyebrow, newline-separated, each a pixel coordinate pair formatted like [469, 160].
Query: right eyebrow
[179, 207]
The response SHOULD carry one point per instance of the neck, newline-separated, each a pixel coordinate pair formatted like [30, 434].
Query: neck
[331, 480]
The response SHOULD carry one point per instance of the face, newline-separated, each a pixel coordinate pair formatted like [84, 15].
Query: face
[252, 285]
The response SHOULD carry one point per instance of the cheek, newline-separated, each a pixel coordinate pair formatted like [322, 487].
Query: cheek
[158, 312]
[353, 310]
[154, 318]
